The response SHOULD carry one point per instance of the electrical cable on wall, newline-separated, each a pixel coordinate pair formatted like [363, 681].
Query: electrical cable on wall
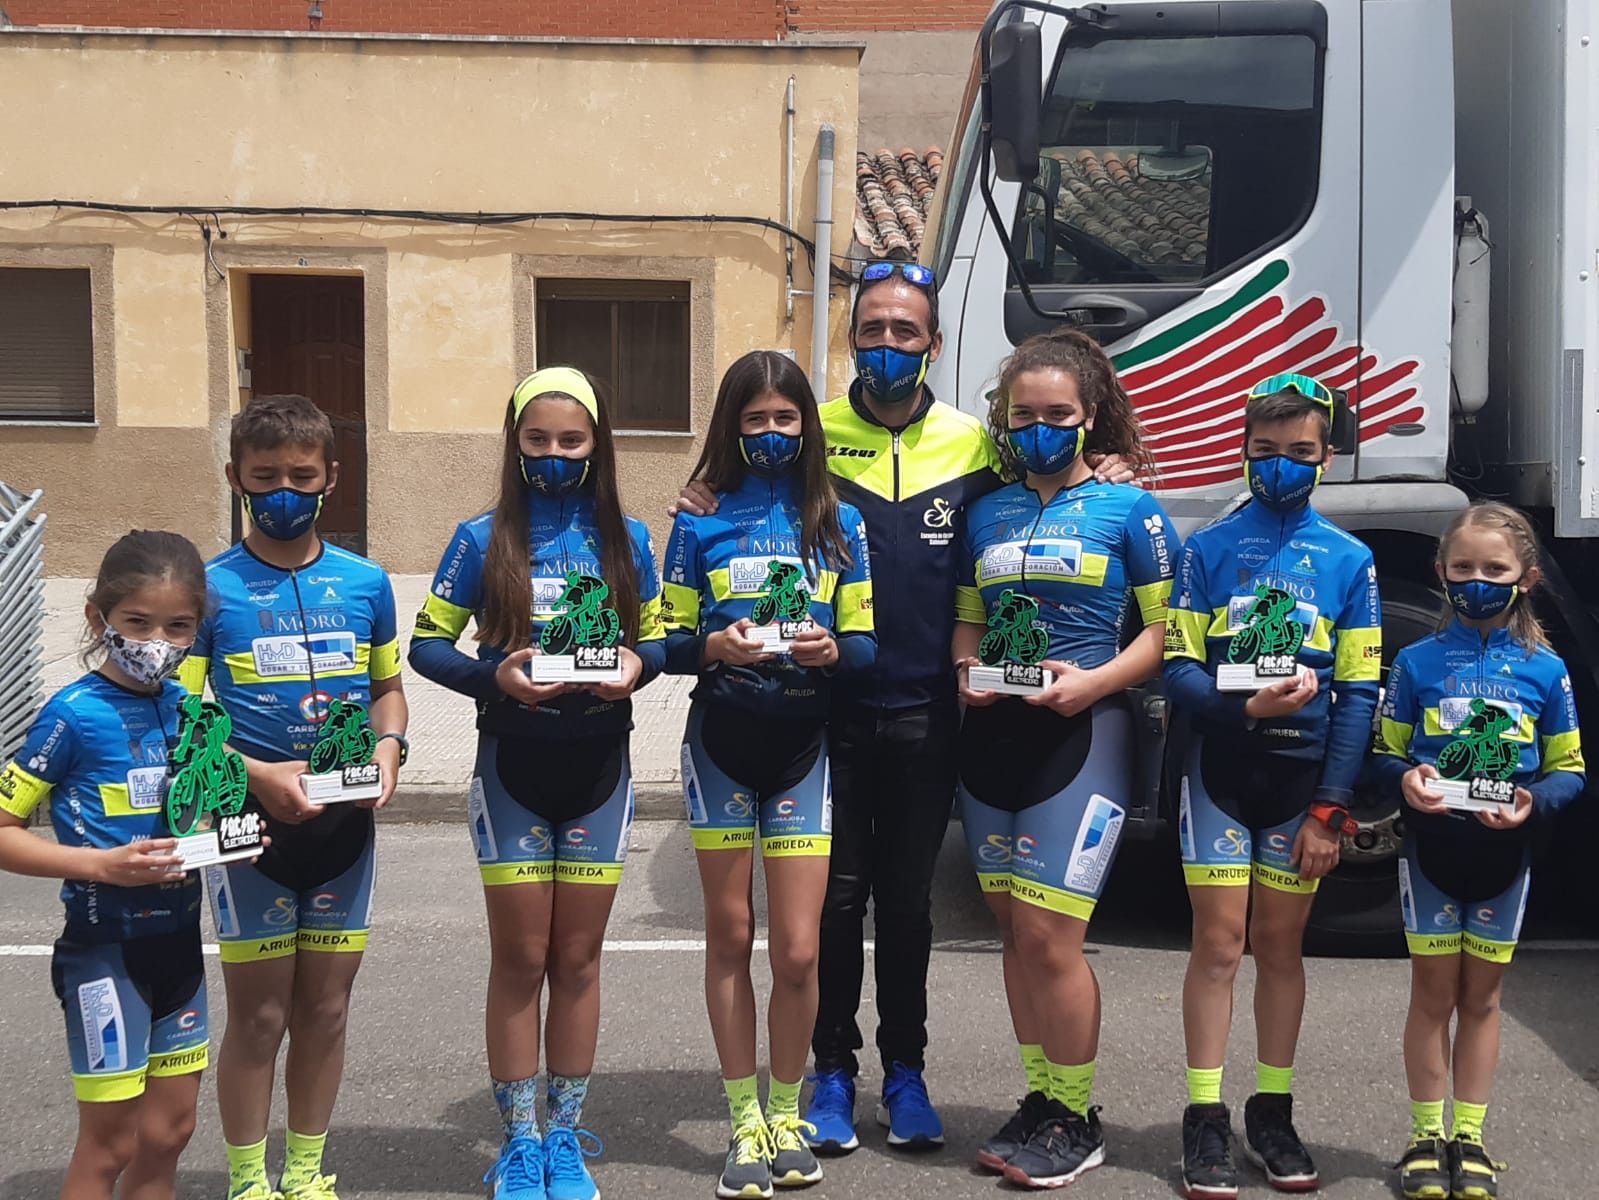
[194, 212]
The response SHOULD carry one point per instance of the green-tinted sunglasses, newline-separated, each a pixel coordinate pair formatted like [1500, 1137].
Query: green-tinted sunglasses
[1313, 389]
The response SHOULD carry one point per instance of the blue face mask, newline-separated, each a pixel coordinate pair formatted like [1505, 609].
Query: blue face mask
[284, 513]
[1480, 600]
[1047, 449]
[891, 375]
[1281, 483]
[770, 453]
[552, 475]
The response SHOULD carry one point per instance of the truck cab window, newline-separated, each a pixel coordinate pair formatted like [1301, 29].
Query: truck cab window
[1170, 160]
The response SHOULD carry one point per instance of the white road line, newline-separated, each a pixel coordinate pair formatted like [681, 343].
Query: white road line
[624, 946]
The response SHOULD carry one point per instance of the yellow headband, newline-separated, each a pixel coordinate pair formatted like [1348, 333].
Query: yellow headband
[566, 380]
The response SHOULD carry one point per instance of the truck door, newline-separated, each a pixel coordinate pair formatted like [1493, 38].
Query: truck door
[1198, 211]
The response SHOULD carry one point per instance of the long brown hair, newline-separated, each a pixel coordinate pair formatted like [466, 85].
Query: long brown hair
[507, 569]
[136, 560]
[1116, 429]
[722, 466]
[1512, 523]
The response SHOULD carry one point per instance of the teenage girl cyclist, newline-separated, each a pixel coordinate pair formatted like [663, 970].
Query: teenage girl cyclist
[780, 549]
[1048, 565]
[1485, 699]
[127, 968]
[555, 564]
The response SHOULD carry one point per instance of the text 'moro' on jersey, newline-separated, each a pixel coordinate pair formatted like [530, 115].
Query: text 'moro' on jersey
[1326, 581]
[911, 486]
[280, 645]
[97, 755]
[1077, 555]
[562, 541]
[744, 559]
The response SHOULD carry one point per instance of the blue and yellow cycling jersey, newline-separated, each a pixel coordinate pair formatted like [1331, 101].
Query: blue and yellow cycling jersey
[98, 753]
[281, 644]
[911, 485]
[563, 540]
[1480, 708]
[1079, 556]
[744, 562]
[1235, 573]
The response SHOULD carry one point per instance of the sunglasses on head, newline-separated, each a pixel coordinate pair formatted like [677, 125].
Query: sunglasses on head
[913, 273]
[1311, 389]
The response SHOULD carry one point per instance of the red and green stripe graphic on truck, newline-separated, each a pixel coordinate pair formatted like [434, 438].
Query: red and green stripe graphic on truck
[1186, 382]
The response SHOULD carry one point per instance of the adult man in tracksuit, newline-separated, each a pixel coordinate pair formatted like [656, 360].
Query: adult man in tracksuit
[910, 463]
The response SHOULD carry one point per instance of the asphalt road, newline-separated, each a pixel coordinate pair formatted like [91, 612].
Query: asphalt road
[416, 1118]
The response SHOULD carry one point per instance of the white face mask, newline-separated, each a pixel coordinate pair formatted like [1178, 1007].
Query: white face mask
[146, 663]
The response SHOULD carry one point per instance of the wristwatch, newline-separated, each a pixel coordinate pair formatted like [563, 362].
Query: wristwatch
[1334, 816]
[405, 744]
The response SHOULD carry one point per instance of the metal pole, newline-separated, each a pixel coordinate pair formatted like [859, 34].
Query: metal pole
[788, 203]
[824, 248]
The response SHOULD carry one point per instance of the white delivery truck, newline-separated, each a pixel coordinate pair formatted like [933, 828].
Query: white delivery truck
[1399, 197]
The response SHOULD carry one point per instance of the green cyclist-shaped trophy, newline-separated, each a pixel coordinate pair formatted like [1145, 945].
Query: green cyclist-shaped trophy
[783, 610]
[581, 643]
[1012, 649]
[1265, 646]
[341, 766]
[205, 797]
[1475, 769]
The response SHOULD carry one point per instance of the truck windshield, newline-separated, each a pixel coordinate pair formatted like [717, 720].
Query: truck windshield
[1169, 160]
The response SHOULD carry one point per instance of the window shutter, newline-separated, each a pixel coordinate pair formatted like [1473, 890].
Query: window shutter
[46, 345]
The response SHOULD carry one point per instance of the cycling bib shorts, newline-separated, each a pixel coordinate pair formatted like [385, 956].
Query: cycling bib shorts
[1239, 814]
[743, 774]
[1042, 799]
[1445, 910]
[261, 916]
[551, 811]
[135, 1010]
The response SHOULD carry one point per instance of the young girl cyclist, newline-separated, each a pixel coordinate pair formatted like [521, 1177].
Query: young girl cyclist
[1481, 710]
[1048, 564]
[554, 569]
[127, 968]
[780, 556]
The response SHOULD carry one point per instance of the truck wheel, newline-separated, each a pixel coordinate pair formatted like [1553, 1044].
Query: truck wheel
[1357, 909]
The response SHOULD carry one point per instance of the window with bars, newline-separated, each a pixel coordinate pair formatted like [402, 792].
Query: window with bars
[46, 345]
[630, 334]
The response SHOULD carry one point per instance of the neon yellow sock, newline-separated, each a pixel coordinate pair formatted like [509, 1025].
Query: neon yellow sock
[1204, 1085]
[246, 1167]
[1072, 1084]
[1273, 1080]
[1468, 1120]
[1426, 1119]
[1036, 1066]
[302, 1159]
[782, 1099]
[743, 1100]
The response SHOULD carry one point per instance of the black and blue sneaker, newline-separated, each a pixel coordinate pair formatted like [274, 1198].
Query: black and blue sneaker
[1065, 1146]
[907, 1113]
[995, 1154]
[831, 1114]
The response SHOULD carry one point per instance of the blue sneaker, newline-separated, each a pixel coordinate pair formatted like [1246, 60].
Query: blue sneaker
[907, 1113]
[519, 1175]
[566, 1174]
[831, 1114]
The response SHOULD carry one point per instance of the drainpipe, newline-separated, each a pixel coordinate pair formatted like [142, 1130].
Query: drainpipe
[788, 204]
[824, 249]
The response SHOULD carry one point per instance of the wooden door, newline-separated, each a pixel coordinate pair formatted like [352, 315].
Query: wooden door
[309, 338]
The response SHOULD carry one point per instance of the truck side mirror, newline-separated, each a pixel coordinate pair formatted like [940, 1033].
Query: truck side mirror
[1345, 429]
[1015, 68]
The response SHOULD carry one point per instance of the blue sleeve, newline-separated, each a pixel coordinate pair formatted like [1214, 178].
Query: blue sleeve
[1151, 549]
[681, 599]
[46, 758]
[1562, 771]
[854, 609]
[1357, 673]
[455, 595]
[1188, 680]
[1396, 727]
[651, 644]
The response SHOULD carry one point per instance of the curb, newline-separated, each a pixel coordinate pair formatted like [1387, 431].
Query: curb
[430, 803]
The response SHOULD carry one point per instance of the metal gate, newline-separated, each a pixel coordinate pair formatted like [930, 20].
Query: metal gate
[21, 614]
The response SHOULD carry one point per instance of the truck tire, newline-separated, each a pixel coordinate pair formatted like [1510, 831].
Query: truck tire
[1356, 913]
